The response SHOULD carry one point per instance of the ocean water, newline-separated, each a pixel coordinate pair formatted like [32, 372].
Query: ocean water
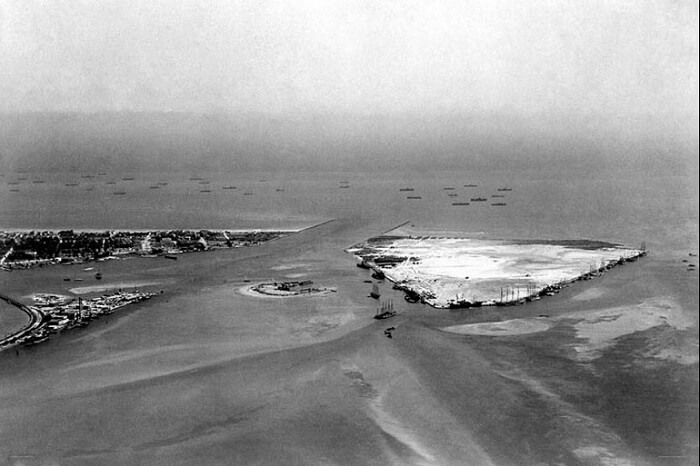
[207, 375]
[626, 206]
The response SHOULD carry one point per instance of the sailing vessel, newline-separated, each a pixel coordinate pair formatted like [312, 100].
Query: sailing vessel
[375, 291]
[386, 311]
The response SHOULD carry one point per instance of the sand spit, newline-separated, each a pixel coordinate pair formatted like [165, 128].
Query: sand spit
[506, 327]
[464, 272]
[112, 286]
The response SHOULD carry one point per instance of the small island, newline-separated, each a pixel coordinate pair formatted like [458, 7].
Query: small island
[288, 289]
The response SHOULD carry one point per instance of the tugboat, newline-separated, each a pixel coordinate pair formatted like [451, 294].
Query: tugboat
[386, 311]
[375, 291]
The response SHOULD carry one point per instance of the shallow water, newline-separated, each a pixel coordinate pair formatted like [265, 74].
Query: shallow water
[205, 374]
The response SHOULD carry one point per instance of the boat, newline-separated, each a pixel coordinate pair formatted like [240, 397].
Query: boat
[195, 178]
[448, 189]
[452, 195]
[111, 182]
[204, 182]
[499, 203]
[386, 311]
[405, 189]
[471, 186]
[71, 184]
[228, 187]
[13, 182]
[119, 193]
[497, 195]
[279, 190]
[171, 257]
[505, 189]
[14, 190]
[154, 187]
[479, 199]
[344, 186]
[460, 203]
[38, 181]
[414, 197]
[248, 193]
[162, 183]
[205, 190]
[86, 176]
[375, 291]
[128, 179]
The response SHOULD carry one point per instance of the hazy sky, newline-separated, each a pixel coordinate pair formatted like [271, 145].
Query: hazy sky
[617, 61]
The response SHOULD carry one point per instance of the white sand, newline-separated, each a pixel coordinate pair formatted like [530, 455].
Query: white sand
[492, 267]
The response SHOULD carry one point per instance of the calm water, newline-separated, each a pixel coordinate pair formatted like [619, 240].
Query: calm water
[627, 207]
[174, 382]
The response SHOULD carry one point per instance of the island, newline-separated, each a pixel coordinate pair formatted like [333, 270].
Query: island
[288, 289]
[456, 272]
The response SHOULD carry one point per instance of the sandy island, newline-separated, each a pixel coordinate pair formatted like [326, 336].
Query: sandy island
[465, 272]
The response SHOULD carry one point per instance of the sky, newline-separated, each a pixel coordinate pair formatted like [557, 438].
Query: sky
[627, 67]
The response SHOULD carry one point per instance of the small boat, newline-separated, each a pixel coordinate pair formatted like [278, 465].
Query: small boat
[111, 182]
[414, 197]
[386, 311]
[38, 181]
[344, 186]
[499, 203]
[505, 189]
[116, 193]
[375, 291]
[195, 178]
[279, 190]
[86, 176]
[171, 257]
[460, 203]
[452, 195]
[497, 195]
[162, 183]
[204, 182]
[479, 199]
[248, 193]
[448, 189]
[14, 190]
[205, 190]
[471, 185]
[13, 182]
[228, 187]
[154, 187]
[128, 178]
[405, 189]
[71, 184]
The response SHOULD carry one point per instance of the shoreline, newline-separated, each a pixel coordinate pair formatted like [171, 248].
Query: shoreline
[451, 273]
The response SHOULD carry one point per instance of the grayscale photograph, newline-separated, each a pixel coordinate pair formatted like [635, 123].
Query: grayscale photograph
[349, 232]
